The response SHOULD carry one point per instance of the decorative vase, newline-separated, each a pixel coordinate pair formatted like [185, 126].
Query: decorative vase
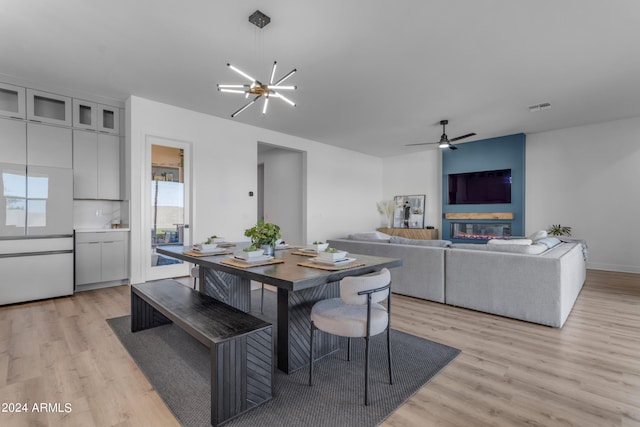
[268, 249]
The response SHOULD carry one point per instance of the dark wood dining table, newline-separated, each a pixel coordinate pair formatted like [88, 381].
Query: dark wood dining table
[298, 288]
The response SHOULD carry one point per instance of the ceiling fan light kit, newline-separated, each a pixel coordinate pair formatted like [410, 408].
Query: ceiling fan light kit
[445, 142]
[256, 87]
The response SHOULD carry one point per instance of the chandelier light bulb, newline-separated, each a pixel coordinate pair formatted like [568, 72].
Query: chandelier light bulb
[273, 73]
[242, 73]
[259, 89]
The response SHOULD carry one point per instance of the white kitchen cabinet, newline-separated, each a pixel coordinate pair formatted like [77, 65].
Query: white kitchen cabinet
[88, 262]
[96, 166]
[101, 257]
[109, 170]
[48, 108]
[13, 141]
[85, 165]
[12, 101]
[49, 146]
[108, 119]
[85, 114]
[113, 263]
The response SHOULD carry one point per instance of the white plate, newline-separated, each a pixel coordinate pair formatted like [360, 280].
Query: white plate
[255, 260]
[310, 250]
[211, 251]
[330, 262]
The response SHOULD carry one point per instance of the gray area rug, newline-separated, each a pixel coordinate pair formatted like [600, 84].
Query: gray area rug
[178, 367]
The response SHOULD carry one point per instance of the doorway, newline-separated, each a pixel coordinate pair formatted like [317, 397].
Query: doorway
[167, 205]
[282, 190]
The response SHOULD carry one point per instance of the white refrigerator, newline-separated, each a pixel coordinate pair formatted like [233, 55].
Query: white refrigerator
[36, 213]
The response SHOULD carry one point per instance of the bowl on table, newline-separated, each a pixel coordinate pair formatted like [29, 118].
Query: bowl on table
[249, 254]
[318, 247]
[332, 255]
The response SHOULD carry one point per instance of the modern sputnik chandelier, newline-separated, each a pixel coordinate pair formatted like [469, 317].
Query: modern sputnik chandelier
[256, 87]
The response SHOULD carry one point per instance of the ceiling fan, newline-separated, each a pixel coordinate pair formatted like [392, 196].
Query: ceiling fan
[445, 142]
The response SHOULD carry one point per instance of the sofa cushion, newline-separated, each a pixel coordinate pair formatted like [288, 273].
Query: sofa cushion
[522, 242]
[533, 249]
[370, 236]
[418, 242]
[474, 246]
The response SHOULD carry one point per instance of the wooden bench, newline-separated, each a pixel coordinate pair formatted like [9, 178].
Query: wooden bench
[241, 345]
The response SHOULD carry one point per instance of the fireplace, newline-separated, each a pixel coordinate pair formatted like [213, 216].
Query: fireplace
[479, 231]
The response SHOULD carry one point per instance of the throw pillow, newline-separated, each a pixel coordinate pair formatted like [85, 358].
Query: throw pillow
[538, 235]
[549, 242]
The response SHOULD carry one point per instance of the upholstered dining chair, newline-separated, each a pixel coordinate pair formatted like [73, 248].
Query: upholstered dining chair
[358, 313]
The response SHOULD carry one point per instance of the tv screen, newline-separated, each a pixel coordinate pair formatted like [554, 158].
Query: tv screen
[486, 187]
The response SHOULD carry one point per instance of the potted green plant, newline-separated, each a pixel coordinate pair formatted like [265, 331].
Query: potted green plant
[264, 235]
[559, 230]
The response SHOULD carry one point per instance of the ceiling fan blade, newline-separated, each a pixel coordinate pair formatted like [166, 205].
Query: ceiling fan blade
[421, 143]
[452, 147]
[462, 137]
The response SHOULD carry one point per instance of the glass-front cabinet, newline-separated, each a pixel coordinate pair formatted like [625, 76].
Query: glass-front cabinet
[108, 119]
[85, 114]
[12, 101]
[48, 108]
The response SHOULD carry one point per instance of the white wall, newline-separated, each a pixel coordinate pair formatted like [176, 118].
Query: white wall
[284, 192]
[342, 186]
[417, 173]
[588, 177]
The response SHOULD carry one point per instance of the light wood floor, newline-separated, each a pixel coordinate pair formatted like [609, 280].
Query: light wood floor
[510, 373]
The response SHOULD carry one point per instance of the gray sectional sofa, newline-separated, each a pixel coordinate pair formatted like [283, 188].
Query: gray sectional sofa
[532, 284]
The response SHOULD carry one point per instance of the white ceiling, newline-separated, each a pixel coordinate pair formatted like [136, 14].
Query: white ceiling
[372, 76]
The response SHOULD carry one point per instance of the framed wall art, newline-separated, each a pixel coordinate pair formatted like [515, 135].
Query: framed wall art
[409, 211]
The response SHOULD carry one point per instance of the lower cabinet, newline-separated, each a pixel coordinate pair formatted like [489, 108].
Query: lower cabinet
[101, 257]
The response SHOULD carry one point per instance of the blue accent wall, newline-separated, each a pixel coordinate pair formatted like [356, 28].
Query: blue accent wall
[505, 152]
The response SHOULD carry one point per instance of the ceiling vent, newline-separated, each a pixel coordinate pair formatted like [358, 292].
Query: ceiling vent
[539, 107]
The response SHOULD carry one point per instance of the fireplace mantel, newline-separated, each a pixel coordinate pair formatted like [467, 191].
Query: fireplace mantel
[479, 215]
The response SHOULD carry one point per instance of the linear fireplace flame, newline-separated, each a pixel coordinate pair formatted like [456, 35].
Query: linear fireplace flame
[479, 231]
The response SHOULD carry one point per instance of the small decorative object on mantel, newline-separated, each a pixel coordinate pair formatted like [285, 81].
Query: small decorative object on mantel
[264, 235]
[386, 208]
[559, 230]
[409, 211]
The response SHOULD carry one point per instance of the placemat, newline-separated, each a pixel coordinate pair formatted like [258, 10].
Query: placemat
[236, 263]
[331, 267]
[303, 253]
[197, 254]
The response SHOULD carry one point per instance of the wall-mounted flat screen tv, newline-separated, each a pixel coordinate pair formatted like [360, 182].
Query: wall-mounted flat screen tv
[486, 187]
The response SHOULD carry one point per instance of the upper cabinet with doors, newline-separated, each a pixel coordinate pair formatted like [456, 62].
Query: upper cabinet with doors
[49, 146]
[96, 166]
[85, 114]
[13, 141]
[48, 108]
[108, 119]
[12, 101]
[93, 116]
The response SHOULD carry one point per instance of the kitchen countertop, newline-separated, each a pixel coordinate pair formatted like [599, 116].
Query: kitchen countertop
[99, 230]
